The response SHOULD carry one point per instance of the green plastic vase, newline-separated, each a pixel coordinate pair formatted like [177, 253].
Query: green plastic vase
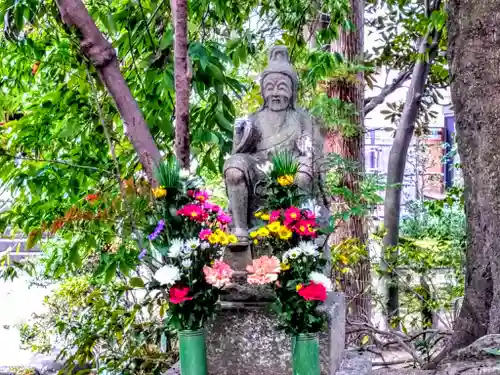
[193, 352]
[305, 354]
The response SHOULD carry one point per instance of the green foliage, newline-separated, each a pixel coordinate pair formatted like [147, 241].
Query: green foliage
[400, 25]
[283, 164]
[432, 245]
[103, 327]
[354, 200]
[336, 115]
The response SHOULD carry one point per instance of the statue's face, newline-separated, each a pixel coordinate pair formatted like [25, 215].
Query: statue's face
[277, 91]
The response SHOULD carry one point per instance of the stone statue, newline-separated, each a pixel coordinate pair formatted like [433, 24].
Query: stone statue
[278, 125]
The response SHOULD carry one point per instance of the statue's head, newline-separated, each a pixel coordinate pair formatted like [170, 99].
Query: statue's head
[279, 81]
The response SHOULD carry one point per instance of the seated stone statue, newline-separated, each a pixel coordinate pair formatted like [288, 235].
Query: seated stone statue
[278, 125]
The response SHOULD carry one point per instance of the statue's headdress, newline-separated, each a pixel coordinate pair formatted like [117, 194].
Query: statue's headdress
[279, 62]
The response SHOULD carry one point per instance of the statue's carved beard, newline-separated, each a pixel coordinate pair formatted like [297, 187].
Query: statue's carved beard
[277, 103]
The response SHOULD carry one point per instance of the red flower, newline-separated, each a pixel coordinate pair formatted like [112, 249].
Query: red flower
[275, 216]
[190, 193]
[194, 212]
[292, 214]
[313, 292]
[305, 228]
[178, 294]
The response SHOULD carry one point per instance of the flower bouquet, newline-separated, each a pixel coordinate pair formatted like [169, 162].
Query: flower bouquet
[294, 266]
[188, 240]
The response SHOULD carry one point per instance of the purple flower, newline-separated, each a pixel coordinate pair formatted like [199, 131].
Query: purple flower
[143, 254]
[159, 228]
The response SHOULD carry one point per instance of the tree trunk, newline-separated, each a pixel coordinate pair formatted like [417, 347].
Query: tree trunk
[396, 169]
[182, 82]
[103, 56]
[350, 45]
[474, 59]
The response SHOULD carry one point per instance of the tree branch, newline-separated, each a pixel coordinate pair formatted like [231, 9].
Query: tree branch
[387, 90]
[53, 161]
[103, 56]
[182, 82]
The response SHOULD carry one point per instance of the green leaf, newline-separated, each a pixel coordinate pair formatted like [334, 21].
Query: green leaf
[136, 282]
[222, 121]
[166, 40]
[110, 272]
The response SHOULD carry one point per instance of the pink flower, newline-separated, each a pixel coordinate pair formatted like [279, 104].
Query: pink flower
[205, 233]
[223, 218]
[209, 206]
[292, 214]
[218, 275]
[201, 195]
[194, 212]
[310, 215]
[275, 215]
[178, 294]
[264, 270]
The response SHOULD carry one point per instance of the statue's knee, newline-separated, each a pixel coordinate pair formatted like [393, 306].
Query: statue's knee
[234, 176]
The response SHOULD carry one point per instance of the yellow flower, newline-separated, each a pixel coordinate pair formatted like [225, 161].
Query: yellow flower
[284, 233]
[159, 192]
[255, 242]
[264, 217]
[253, 234]
[224, 239]
[274, 226]
[233, 238]
[285, 267]
[299, 287]
[285, 180]
[258, 214]
[213, 238]
[263, 232]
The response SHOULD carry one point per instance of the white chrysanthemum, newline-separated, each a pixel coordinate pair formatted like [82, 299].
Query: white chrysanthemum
[205, 245]
[292, 253]
[186, 263]
[308, 248]
[167, 275]
[176, 248]
[193, 243]
[319, 278]
[184, 173]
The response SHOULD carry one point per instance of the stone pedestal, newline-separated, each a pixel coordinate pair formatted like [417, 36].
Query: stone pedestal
[243, 340]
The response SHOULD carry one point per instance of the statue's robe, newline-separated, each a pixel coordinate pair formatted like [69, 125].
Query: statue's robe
[257, 139]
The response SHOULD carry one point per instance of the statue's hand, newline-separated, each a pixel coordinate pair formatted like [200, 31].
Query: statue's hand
[244, 138]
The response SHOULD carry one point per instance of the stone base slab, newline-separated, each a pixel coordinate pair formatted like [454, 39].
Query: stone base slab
[243, 340]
